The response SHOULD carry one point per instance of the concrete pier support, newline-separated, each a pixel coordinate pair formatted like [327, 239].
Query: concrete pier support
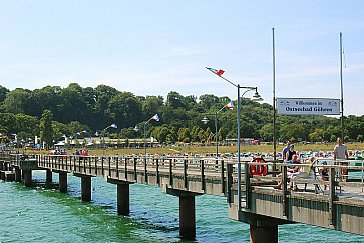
[262, 228]
[27, 178]
[263, 234]
[86, 188]
[187, 217]
[48, 177]
[17, 174]
[123, 199]
[63, 181]
[187, 212]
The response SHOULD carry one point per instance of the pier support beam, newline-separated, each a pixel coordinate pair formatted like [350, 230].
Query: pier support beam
[86, 188]
[17, 174]
[63, 181]
[48, 177]
[123, 201]
[27, 178]
[262, 228]
[187, 212]
[263, 234]
[187, 217]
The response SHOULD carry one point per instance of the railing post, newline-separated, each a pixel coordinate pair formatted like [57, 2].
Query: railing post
[157, 170]
[66, 162]
[79, 164]
[332, 196]
[247, 186]
[109, 161]
[102, 166]
[284, 190]
[185, 172]
[117, 167]
[84, 165]
[170, 173]
[95, 160]
[135, 168]
[203, 175]
[126, 167]
[223, 184]
[229, 179]
[145, 169]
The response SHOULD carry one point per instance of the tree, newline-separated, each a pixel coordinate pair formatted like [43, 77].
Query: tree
[317, 135]
[126, 109]
[3, 92]
[46, 129]
[152, 105]
[161, 133]
[266, 132]
[208, 100]
[27, 125]
[16, 101]
[183, 134]
[8, 123]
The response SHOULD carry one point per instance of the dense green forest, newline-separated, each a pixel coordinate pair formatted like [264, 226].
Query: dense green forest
[52, 112]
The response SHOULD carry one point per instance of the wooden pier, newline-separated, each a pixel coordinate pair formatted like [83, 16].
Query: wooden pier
[340, 207]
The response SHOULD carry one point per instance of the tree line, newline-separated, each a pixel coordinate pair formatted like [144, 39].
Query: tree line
[52, 112]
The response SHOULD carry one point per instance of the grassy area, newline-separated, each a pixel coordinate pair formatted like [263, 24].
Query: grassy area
[202, 150]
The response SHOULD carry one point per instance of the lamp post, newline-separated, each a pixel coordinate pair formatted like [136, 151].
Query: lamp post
[256, 97]
[155, 118]
[103, 135]
[205, 120]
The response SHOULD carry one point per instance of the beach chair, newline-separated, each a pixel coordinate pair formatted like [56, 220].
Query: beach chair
[308, 175]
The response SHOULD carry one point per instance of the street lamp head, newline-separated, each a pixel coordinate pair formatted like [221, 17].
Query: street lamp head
[205, 120]
[257, 97]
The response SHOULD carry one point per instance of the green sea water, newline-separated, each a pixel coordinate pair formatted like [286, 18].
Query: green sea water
[46, 215]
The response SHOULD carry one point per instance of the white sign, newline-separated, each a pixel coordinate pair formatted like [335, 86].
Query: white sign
[308, 106]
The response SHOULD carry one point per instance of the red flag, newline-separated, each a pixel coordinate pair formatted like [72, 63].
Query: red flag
[220, 72]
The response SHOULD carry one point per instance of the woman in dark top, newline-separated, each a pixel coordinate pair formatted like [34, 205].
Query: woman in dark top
[290, 153]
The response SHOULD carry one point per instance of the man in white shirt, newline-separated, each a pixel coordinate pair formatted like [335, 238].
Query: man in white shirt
[341, 153]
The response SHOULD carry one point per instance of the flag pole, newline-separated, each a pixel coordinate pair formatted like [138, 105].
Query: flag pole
[274, 101]
[341, 87]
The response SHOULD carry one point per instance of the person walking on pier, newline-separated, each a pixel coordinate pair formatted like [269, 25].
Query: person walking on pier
[341, 153]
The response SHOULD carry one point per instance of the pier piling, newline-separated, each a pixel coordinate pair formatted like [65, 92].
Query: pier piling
[17, 174]
[123, 199]
[86, 188]
[63, 181]
[48, 177]
[27, 178]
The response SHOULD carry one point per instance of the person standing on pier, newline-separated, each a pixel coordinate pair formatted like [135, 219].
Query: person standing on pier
[290, 153]
[341, 153]
[285, 151]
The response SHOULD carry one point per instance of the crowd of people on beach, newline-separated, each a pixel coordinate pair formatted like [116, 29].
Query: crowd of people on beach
[82, 152]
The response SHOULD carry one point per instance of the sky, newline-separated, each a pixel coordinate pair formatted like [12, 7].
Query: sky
[154, 47]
